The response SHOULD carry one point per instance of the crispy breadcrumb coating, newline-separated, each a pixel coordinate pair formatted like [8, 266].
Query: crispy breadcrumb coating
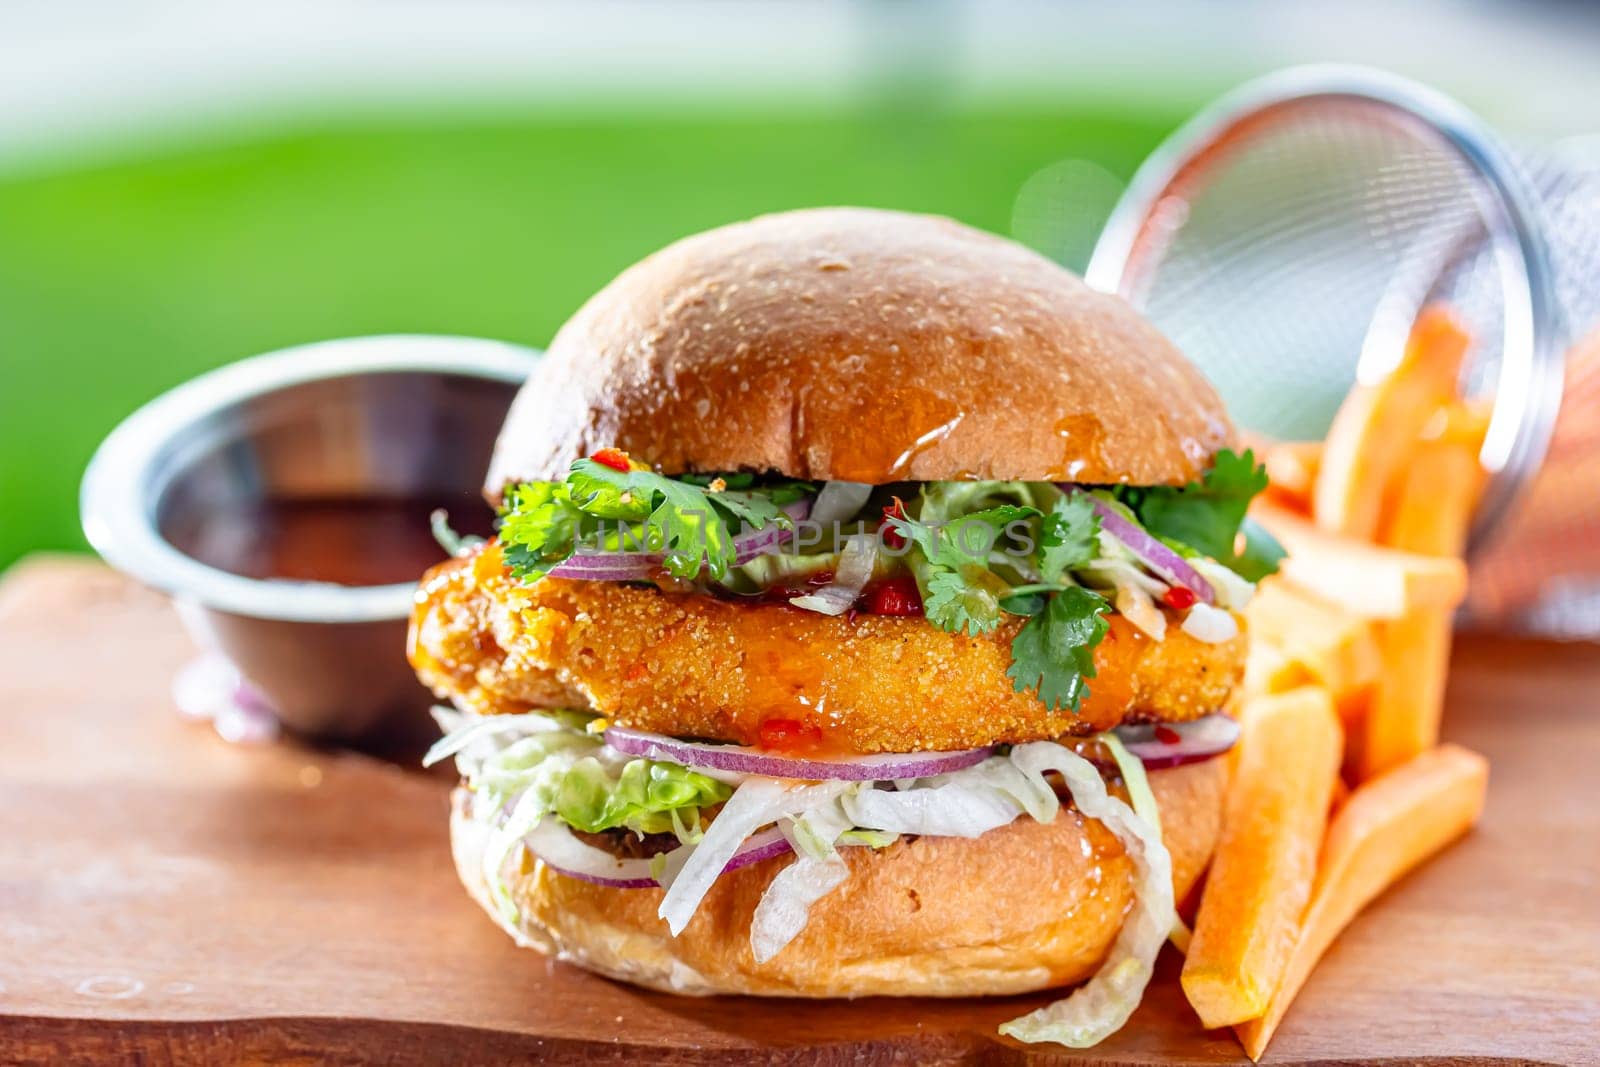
[692, 665]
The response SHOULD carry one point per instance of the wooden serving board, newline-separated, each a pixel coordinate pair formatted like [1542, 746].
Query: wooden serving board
[166, 896]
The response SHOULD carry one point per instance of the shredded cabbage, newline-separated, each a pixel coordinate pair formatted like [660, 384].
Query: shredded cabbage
[1139, 608]
[690, 872]
[1211, 625]
[784, 907]
[856, 564]
[1100, 1007]
[839, 501]
[1144, 806]
[1232, 592]
[556, 767]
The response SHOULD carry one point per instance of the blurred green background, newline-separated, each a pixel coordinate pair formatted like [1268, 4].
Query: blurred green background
[183, 185]
[122, 278]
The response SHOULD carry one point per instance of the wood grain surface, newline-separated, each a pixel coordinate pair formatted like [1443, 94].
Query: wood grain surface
[168, 897]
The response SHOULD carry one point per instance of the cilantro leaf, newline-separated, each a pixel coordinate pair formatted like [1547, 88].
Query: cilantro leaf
[693, 526]
[1262, 553]
[1023, 603]
[1204, 515]
[959, 591]
[966, 600]
[751, 509]
[1069, 536]
[1053, 653]
[680, 520]
[537, 528]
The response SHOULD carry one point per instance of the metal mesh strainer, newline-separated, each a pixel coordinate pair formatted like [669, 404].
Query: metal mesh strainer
[1287, 236]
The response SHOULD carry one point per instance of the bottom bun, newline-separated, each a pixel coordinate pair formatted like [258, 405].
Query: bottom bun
[1028, 906]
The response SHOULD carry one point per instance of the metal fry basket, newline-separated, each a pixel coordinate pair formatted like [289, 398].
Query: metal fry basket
[1287, 237]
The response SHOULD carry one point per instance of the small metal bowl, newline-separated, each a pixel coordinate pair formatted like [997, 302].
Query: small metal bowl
[364, 418]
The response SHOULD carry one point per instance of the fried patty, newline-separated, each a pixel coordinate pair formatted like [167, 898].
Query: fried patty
[691, 665]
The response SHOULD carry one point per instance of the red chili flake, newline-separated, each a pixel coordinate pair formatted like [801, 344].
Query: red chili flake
[893, 596]
[788, 734]
[615, 458]
[1179, 598]
[636, 671]
[893, 538]
[1167, 735]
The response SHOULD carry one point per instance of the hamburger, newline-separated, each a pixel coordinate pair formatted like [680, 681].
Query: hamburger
[861, 620]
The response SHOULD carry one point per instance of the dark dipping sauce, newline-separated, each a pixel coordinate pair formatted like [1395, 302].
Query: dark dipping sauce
[352, 541]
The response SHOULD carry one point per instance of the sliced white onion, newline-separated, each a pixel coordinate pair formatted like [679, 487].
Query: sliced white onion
[1189, 742]
[642, 566]
[739, 759]
[839, 501]
[1212, 625]
[856, 564]
[1157, 556]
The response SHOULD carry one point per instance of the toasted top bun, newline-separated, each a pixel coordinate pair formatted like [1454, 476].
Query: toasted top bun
[863, 345]
[1028, 906]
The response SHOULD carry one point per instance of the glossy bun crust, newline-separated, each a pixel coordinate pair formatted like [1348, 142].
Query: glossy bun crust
[872, 346]
[1028, 906]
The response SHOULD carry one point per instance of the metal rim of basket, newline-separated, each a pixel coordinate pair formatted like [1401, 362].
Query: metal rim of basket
[1527, 389]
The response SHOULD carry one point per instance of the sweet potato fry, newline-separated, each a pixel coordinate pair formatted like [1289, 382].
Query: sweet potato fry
[1336, 647]
[1378, 425]
[1403, 719]
[1387, 827]
[1292, 472]
[1435, 496]
[1369, 580]
[1261, 877]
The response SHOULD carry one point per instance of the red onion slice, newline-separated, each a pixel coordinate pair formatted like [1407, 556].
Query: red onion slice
[766, 845]
[1196, 740]
[642, 566]
[739, 759]
[559, 849]
[1157, 556]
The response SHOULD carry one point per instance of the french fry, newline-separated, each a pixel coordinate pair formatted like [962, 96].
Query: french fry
[1336, 647]
[1261, 877]
[1269, 669]
[1292, 472]
[1403, 719]
[1370, 580]
[1439, 488]
[1378, 425]
[1387, 827]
